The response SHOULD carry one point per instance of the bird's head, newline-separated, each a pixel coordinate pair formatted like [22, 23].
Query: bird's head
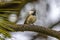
[32, 12]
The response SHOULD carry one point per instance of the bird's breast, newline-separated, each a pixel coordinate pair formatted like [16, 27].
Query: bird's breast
[31, 19]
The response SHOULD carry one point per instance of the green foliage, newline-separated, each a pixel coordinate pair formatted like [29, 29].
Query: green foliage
[5, 33]
[2, 39]
[5, 26]
[4, 22]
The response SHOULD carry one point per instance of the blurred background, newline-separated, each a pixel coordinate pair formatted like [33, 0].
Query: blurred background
[47, 14]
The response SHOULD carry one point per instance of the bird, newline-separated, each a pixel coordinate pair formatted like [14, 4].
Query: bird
[31, 18]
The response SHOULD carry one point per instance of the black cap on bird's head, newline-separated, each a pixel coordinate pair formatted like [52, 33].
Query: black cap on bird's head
[32, 12]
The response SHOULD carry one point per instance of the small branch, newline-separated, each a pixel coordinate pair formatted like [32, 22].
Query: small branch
[38, 29]
[54, 24]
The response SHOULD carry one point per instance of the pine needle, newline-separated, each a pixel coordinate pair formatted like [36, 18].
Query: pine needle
[2, 38]
[5, 33]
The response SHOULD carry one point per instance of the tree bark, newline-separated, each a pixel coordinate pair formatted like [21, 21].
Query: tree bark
[38, 29]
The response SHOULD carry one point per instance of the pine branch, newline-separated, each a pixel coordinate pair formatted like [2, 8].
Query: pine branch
[14, 5]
